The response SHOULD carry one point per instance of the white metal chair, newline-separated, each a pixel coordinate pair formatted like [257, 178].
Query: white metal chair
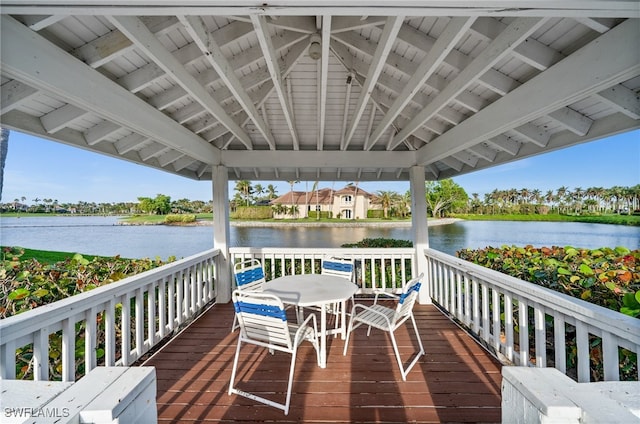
[338, 267]
[263, 322]
[389, 320]
[249, 276]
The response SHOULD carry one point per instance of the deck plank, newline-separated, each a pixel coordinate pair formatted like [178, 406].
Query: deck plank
[456, 381]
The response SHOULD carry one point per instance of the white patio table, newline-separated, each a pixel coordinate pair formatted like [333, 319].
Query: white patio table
[315, 290]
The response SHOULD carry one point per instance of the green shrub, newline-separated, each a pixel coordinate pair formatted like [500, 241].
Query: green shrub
[323, 214]
[180, 218]
[28, 284]
[380, 242]
[375, 213]
[606, 277]
[252, 212]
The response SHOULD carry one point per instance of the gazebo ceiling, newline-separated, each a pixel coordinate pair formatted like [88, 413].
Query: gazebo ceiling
[318, 90]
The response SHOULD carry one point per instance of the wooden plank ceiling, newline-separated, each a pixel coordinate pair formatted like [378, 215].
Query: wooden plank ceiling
[289, 91]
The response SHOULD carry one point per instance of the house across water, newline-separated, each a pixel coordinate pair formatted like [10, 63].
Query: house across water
[349, 202]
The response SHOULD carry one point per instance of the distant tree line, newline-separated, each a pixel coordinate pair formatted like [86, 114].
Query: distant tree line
[159, 205]
[443, 197]
[593, 200]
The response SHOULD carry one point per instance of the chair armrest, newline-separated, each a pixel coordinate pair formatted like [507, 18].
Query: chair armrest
[383, 293]
[304, 323]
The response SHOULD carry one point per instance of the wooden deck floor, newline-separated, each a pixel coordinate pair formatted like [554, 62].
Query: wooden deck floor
[456, 381]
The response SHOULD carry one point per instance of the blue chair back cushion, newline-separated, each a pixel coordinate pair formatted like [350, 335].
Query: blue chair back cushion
[249, 276]
[260, 309]
[413, 288]
[337, 266]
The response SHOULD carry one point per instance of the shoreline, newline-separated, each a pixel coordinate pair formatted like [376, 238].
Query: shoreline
[393, 224]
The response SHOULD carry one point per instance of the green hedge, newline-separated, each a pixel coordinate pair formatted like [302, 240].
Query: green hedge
[323, 215]
[252, 212]
[605, 277]
[375, 213]
[179, 218]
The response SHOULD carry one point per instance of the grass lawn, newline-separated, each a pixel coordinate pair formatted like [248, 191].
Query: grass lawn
[633, 220]
[45, 256]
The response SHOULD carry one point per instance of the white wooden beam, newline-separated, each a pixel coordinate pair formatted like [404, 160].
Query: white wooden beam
[270, 56]
[545, 8]
[129, 143]
[213, 54]
[40, 22]
[500, 47]
[504, 143]
[324, 77]
[169, 157]
[151, 46]
[261, 95]
[466, 158]
[603, 63]
[28, 124]
[150, 73]
[622, 99]
[303, 24]
[61, 117]
[532, 52]
[353, 23]
[483, 152]
[453, 32]
[313, 159]
[51, 69]
[573, 121]
[13, 93]
[599, 25]
[182, 163]
[536, 135]
[108, 47]
[347, 101]
[385, 43]
[99, 132]
[152, 151]
[452, 162]
[352, 64]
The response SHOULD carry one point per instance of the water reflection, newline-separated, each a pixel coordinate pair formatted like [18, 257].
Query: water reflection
[100, 236]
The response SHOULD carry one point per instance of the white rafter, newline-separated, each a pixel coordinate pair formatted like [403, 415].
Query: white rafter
[72, 80]
[501, 46]
[324, 75]
[551, 90]
[436, 55]
[270, 56]
[151, 46]
[385, 43]
[13, 93]
[213, 53]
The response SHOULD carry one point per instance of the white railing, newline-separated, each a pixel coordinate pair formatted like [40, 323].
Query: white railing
[375, 268]
[496, 307]
[133, 315]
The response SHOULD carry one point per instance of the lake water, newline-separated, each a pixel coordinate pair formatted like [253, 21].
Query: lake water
[102, 236]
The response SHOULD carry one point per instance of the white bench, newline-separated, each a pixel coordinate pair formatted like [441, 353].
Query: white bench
[105, 395]
[546, 395]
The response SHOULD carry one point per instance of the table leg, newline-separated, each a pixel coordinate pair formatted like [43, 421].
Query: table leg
[343, 319]
[323, 337]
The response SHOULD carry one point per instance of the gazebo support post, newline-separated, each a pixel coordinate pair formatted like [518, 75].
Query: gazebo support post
[220, 183]
[419, 227]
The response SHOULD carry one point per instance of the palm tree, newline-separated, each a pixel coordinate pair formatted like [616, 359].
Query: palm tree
[244, 187]
[386, 200]
[293, 202]
[271, 191]
[259, 191]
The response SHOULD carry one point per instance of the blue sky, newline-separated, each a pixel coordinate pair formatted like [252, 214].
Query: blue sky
[38, 168]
